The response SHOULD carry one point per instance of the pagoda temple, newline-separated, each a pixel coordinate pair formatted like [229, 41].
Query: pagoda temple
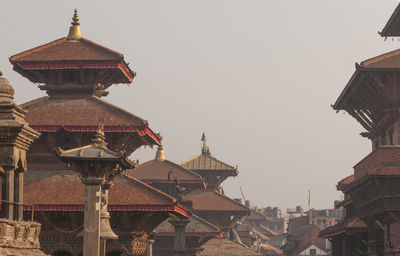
[210, 168]
[372, 195]
[76, 73]
[214, 214]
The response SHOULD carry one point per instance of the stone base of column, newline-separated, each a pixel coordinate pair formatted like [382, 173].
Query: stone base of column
[20, 238]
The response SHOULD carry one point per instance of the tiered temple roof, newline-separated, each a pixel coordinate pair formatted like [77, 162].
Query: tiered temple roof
[73, 64]
[62, 190]
[392, 27]
[211, 200]
[213, 170]
[162, 171]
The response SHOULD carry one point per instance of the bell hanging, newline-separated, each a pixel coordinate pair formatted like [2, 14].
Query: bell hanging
[105, 228]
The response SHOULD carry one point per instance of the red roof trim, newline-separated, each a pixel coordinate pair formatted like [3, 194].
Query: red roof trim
[147, 208]
[179, 209]
[75, 65]
[54, 128]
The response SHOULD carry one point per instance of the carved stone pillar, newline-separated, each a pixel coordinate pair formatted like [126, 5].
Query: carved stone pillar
[18, 194]
[149, 251]
[91, 231]
[179, 235]
[16, 138]
[8, 195]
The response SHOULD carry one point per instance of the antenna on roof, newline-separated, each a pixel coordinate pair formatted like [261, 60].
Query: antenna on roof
[241, 191]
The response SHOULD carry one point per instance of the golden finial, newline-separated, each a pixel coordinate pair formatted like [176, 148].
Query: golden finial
[160, 156]
[75, 29]
[100, 137]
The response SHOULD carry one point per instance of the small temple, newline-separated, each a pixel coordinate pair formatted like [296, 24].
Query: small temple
[210, 168]
[214, 215]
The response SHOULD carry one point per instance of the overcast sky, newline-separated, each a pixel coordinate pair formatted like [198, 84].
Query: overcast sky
[258, 77]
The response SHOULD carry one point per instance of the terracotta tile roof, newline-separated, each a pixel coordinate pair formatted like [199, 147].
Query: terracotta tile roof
[71, 54]
[78, 112]
[345, 182]
[267, 247]
[260, 235]
[224, 247]
[210, 200]
[389, 60]
[47, 189]
[68, 50]
[384, 169]
[196, 227]
[83, 114]
[205, 162]
[392, 27]
[266, 230]
[350, 226]
[349, 179]
[257, 216]
[157, 171]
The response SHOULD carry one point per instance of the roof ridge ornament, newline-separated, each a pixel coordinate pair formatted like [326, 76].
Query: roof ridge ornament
[75, 29]
[205, 150]
[160, 155]
[100, 137]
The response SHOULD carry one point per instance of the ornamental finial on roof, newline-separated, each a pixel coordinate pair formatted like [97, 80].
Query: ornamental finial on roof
[204, 149]
[160, 156]
[100, 137]
[75, 29]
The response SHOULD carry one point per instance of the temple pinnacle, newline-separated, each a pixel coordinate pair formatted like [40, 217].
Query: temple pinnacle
[75, 29]
[160, 156]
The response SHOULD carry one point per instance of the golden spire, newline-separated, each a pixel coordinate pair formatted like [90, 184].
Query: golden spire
[75, 29]
[160, 156]
[100, 137]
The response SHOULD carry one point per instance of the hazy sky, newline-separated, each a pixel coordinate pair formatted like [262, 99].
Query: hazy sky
[258, 77]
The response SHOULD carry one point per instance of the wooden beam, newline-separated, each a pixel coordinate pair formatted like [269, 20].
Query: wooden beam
[359, 119]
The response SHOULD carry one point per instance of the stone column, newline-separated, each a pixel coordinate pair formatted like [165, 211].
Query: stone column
[19, 195]
[91, 232]
[149, 251]
[179, 235]
[8, 193]
[103, 243]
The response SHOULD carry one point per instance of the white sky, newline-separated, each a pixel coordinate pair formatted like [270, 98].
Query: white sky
[258, 77]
